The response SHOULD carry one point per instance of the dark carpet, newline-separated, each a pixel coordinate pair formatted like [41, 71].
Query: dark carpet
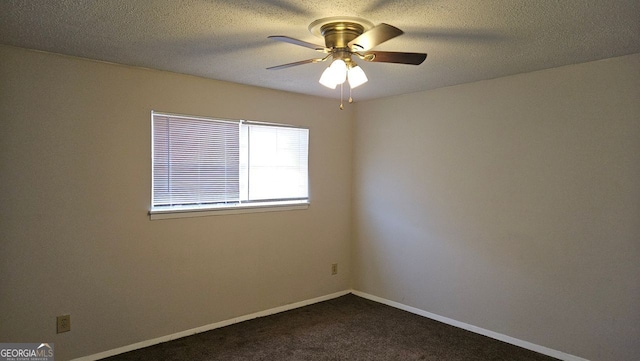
[345, 328]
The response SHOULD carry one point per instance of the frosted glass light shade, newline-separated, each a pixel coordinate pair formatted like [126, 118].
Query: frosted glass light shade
[334, 74]
[339, 71]
[357, 77]
[326, 80]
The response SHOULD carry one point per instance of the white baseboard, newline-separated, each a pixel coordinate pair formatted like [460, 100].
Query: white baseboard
[209, 327]
[498, 336]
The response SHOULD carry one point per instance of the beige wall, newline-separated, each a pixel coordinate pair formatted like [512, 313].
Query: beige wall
[75, 190]
[510, 204]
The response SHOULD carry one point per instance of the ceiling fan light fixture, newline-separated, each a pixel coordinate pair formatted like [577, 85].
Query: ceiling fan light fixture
[335, 74]
[326, 80]
[338, 71]
[345, 37]
[356, 76]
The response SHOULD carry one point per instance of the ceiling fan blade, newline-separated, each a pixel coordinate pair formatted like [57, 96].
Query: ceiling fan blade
[374, 36]
[395, 57]
[301, 62]
[293, 41]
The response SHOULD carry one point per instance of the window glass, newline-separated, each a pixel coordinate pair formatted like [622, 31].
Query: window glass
[210, 163]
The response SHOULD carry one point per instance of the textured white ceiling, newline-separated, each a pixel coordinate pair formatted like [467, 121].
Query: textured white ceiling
[227, 39]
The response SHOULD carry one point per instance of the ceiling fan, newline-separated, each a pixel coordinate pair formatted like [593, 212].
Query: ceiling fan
[346, 38]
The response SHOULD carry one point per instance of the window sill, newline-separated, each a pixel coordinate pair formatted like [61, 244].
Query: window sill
[156, 214]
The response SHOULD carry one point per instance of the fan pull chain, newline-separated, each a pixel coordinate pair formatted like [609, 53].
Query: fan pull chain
[341, 89]
[350, 98]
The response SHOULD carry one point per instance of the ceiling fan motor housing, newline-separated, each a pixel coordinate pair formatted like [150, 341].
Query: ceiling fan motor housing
[338, 35]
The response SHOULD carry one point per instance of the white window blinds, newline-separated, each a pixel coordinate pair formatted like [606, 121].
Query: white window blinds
[209, 163]
[195, 161]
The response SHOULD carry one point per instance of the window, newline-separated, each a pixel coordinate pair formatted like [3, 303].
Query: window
[201, 164]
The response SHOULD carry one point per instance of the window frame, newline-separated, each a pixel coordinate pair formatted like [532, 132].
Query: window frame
[228, 208]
